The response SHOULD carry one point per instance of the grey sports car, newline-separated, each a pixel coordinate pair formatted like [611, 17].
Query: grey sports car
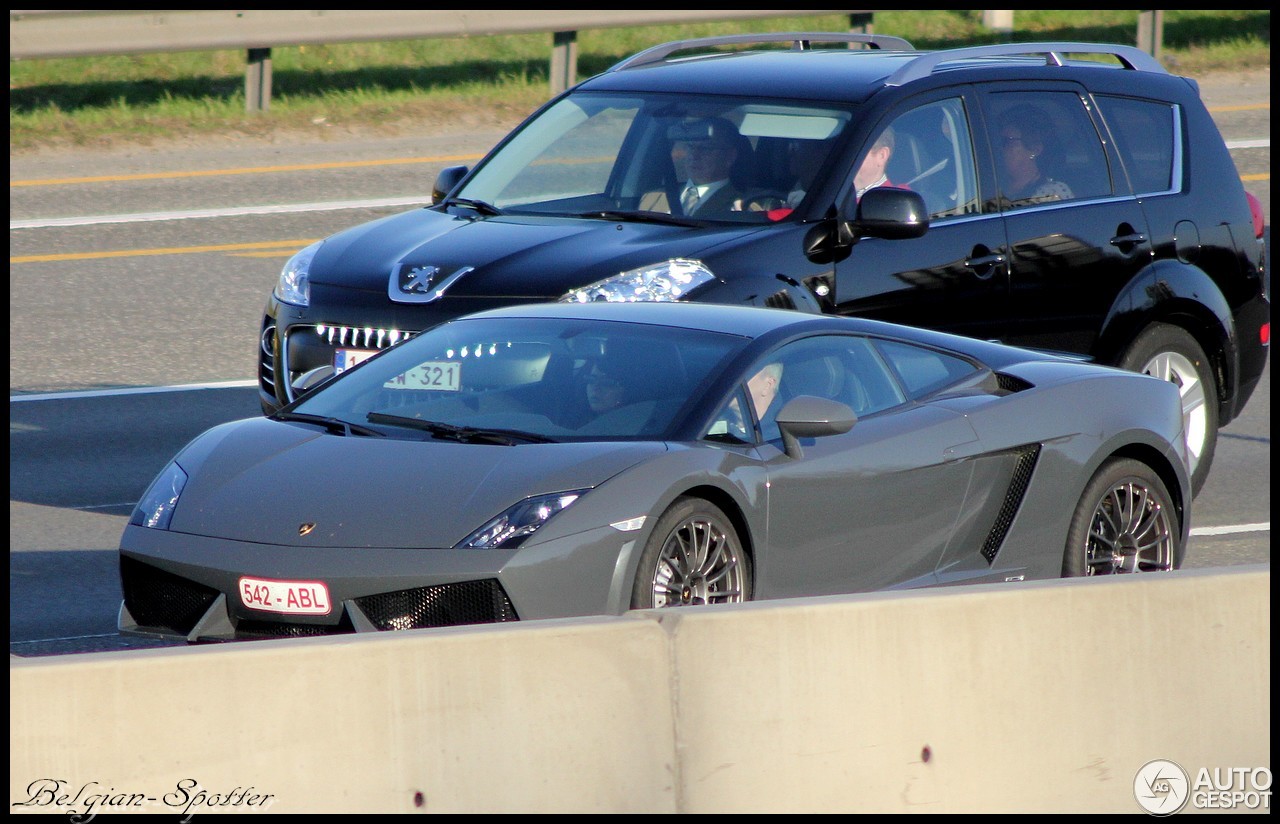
[579, 459]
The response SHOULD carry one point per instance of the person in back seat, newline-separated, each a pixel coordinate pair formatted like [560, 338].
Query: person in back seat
[1025, 141]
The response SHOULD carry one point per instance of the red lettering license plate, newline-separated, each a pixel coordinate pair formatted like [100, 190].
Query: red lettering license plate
[286, 597]
[344, 359]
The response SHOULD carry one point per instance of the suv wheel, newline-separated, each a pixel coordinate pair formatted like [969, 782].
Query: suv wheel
[1170, 353]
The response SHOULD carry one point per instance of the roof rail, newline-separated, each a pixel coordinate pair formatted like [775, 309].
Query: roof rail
[800, 41]
[1132, 58]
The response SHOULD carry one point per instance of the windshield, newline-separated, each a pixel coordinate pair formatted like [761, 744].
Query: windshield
[699, 156]
[528, 380]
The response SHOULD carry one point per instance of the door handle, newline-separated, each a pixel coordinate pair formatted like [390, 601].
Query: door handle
[984, 266]
[1126, 243]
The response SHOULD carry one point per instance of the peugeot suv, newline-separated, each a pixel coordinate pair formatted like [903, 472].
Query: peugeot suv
[1071, 197]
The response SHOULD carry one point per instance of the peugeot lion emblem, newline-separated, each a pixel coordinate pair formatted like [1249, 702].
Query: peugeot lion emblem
[417, 281]
[305, 529]
[420, 284]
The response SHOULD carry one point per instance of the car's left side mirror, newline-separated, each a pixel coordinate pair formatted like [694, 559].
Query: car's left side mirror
[806, 416]
[311, 380]
[885, 212]
[446, 182]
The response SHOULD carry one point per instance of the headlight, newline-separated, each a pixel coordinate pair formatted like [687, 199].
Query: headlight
[155, 510]
[511, 528]
[295, 278]
[666, 281]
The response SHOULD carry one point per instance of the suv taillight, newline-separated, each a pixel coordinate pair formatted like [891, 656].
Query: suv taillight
[1259, 222]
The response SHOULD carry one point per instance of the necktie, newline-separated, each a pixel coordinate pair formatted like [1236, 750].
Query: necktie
[689, 200]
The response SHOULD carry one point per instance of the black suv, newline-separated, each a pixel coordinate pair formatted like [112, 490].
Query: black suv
[1073, 197]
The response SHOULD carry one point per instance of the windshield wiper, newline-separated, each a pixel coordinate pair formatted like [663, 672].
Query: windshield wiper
[478, 205]
[462, 434]
[335, 425]
[643, 217]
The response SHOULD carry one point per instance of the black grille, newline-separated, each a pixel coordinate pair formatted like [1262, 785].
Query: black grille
[1011, 384]
[247, 629]
[445, 605]
[1022, 470]
[156, 598]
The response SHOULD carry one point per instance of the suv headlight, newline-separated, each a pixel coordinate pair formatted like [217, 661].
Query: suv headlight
[666, 281]
[513, 527]
[155, 510]
[295, 278]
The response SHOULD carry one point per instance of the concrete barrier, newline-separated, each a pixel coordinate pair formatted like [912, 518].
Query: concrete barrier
[1039, 697]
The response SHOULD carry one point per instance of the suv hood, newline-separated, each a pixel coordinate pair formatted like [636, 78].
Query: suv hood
[258, 480]
[509, 256]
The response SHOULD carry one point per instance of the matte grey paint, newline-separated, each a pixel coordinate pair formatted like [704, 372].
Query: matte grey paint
[903, 498]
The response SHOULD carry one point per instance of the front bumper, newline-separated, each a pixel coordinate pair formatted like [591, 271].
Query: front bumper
[188, 587]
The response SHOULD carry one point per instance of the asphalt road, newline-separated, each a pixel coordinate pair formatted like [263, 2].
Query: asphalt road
[149, 268]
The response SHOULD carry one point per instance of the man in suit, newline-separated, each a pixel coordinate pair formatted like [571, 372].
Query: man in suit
[704, 151]
[871, 173]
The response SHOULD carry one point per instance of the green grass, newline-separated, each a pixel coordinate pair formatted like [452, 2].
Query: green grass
[392, 87]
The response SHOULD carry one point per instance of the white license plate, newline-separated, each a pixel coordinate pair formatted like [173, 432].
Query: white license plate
[285, 597]
[442, 376]
[344, 359]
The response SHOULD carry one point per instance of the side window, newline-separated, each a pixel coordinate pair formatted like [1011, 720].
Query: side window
[1148, 139]
[1046, 149]
[921, 370]
[731, 424]
[844, 368]
[931, 152]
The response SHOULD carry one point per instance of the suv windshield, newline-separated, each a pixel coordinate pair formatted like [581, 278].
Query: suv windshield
[696, 156]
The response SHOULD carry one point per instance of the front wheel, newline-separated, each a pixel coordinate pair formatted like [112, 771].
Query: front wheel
[1170, 353]
[1124, 522]
[694, 556]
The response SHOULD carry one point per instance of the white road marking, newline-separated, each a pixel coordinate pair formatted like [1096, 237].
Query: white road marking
[279, 209]
[1230, 530]
[134, 390]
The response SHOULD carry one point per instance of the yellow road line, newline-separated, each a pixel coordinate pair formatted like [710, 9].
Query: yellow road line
[251, 170]
[175, 250]
[1248, 107]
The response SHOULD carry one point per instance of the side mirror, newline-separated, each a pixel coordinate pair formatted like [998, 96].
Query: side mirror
[311, 380]
[447, 181]
[806, 416]
[884, 212]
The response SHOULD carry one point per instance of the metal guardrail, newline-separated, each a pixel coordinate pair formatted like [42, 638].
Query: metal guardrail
[43, 34]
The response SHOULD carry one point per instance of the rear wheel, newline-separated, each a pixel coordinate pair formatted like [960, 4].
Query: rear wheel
[694, 556]
[1124, 522]
[1170, 353]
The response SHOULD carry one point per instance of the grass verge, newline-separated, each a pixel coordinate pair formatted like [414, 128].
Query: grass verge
[463, 83]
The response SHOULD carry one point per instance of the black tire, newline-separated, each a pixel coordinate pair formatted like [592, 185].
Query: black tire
[693, 556]
[1124, 522]
[1171, 353]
